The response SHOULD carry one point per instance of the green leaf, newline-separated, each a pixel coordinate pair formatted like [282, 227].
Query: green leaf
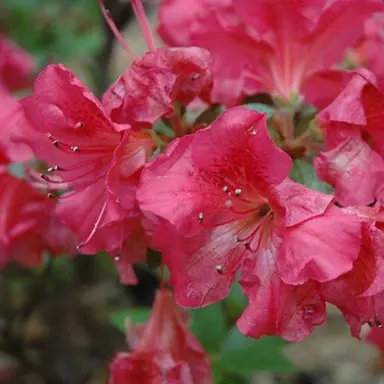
[136, 315]
[236, 302]
[235, 378]
[262, 108]
[241, 354]
[304, 173]
[209, 326]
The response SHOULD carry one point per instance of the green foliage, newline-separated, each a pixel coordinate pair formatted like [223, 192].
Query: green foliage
[304, 173]
[242, 354]
[137, 315]
[60, 31]
[210, 326]
[236, 302]
[262, 108]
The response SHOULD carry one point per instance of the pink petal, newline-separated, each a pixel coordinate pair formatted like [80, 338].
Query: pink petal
[321, 248]
[283, 310]
[295, 203]
[203, 267]
[354, 170]
[171, 74]
[323, 87]
[16, 66]
[234, 153]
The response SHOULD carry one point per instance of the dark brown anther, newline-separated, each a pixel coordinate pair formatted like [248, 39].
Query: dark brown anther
[56, 143]
[75, 148]
[51, 196]
[79, 125]
[378, 323]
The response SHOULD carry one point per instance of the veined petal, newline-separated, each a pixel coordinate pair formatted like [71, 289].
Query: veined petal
[354, 170]
[321, 248]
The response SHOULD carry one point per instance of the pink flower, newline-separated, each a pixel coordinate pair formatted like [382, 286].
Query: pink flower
[164, 350]
[16, 66]
[357, 293]
[171, 74]
[151, 87]
[271, 46]
[12, 121]
[23, 217]
[368, 52]
[86, 154]
[353, 125]
[226, 193]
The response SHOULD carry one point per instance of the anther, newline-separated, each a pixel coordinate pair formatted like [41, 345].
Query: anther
[55, 143]
[44, 177]
[75, 149]
[238, 192]
[195, 76]
[370, 323]
[53, 169]
[51, 196]
[81, 245]
[378, 323]
[253, 132]
[225, 188]
[117, 257]
[200, 217]
[219, 268]
[80, 124]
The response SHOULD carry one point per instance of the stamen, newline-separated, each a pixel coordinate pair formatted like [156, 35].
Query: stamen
[219, 269]
[225, 188]
[75, 149]
[253, 132]
[95, 227]
[195, 76]
[238, 192]
[117, 257]
[56, 143]
[53, 169]
[115, 30]
[79, 125]
[200, 217]
[378, 323]
[138, 8]
[51, 196]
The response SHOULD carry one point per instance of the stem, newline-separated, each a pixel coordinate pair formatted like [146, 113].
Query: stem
[122, 14]
[177, 125]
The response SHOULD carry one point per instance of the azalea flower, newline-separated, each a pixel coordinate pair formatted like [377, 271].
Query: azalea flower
[16, 66]
[225, 192]
[155, 84]
[86, 153]
[353, 124]
[277, 47]
[12, 120]
[368, 52]
[163, 350]
[23, 217]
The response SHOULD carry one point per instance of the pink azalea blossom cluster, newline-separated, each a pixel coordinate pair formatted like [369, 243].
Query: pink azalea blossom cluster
[133, 170]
